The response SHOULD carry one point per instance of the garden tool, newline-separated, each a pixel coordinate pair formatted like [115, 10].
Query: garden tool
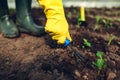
[56, 26]
[82, 21]
[24, 19]
[82, 14]
[77, 54]
[7, 26]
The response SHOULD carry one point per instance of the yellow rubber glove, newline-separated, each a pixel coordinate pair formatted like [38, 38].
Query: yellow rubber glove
[56, 26]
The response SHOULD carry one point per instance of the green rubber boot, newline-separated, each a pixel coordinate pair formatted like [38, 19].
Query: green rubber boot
[7, 26]
[24, 19]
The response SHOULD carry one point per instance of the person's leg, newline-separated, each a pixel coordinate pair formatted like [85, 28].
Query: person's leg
[24, 19]
[7, 26]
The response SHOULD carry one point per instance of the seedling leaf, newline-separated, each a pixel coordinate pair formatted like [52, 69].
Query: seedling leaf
[99, 54]
[100, 63]
[97, 19]
[111, 39]
[86, 43]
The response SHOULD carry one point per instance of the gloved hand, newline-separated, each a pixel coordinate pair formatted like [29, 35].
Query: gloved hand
[58, 30]
[56, 26]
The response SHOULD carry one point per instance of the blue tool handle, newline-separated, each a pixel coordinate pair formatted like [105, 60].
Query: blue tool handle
[67, 42]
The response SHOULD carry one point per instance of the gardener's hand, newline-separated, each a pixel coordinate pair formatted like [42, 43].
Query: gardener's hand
[56, 25]
[58, 30]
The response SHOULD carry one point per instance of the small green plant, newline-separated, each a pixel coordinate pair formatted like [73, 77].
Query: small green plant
[69, 15]
[79, 21]
[100, 63]
[111, 39]
[98, 18]
[86, 43]
[119, 19]
[108, 23]
[74, 10]
[119, 42]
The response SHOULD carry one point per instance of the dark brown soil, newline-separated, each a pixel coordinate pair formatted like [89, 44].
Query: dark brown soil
[37, 58]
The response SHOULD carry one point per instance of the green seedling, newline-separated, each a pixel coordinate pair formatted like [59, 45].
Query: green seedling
[119, 19]
[108, 23]
[118, 42]
[69, 15]
[98, 18]
[74, 11]
[111, 38]
[100, 63]
[86, 43]
[79, 21]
